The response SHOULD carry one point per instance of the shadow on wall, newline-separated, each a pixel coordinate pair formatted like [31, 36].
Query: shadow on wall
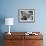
[2, 21]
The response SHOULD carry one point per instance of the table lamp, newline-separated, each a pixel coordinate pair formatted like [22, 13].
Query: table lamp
[9, 21]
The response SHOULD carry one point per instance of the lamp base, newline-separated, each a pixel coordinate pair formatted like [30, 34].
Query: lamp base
[9, 33]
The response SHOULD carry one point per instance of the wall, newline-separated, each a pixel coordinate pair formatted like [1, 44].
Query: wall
[9, 8]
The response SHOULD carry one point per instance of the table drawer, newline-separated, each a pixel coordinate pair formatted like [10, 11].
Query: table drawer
[34, 37]
[9, 42]
[16, 37]
[13, 43]
[33, 43]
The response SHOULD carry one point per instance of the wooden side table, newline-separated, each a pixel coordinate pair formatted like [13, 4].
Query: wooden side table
[20, 39]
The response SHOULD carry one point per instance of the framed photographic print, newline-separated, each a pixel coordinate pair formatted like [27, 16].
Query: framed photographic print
[26, 15]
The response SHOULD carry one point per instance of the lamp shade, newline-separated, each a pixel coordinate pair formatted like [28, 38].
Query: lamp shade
[9, 21]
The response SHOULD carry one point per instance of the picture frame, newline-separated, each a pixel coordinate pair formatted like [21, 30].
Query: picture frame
[26, 15]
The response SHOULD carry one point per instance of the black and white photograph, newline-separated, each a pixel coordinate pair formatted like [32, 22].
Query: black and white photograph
[26, 15]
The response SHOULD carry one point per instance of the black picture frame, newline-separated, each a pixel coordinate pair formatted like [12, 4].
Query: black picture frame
[26, 15]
